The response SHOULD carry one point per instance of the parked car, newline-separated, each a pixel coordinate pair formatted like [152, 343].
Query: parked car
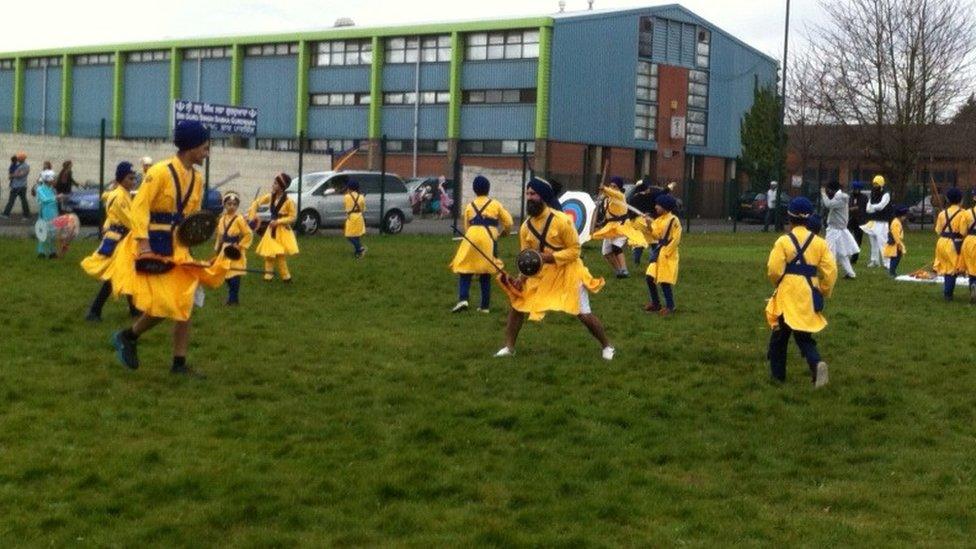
[922, 211]
[752, 205]
[322, 201]
[85, 204]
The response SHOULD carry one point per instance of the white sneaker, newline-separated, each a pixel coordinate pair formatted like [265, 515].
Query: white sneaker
[461, 306]
[485, 311]
[504, 351]
[823, 377]
[608, 353]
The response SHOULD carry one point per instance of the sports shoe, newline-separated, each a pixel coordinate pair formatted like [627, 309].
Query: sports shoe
[665, 311]
[461, 306]
[484, 311]
[608, 353]
[186, 371]
[822, 376]
[361, 253]
[652, 307]
[504, 351]
[125, 350]
[623, 274]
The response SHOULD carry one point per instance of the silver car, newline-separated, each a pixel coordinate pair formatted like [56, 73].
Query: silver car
[322, 201]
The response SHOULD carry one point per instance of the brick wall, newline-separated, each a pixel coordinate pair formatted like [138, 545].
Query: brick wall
[672, 89]
[622, 163]
[713, 169]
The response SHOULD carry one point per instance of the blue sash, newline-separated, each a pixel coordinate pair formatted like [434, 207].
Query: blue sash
[947, 231]
[275, 209]
[107, 247]
[479, 218]
[227, 239]
[799, 266]
[161, 240]
[655, 250]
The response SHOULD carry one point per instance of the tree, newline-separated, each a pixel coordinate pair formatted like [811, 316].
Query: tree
[803, 115]
[763, 143]
[890, 71]
[967, 112]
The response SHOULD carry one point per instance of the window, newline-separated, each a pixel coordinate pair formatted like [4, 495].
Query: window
[276, 144]
[507, 147]
[645, 121]
[520, 44]
[339, 99]
[343, 52]
[427, 146]
[40, 62]
[703, 48]
[7, 64]
[410, 98]
[95, 59]
[432, 49]
[147, 56]
[269, 50]
[333, 146]
[645, 113]
[208, 53]
[474, 97]
[696, 130]
[645, 42]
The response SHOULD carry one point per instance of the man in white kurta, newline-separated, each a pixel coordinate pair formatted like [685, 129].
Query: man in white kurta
[879, 215]
[840, 240]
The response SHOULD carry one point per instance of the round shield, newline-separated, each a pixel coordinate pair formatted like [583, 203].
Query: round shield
[232, 253]
[42, 230]
[529, 262]
[580, 208]
[196, 228]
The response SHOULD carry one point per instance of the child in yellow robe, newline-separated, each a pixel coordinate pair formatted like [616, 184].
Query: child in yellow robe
[233, 230]
[279, 240]
[485, 221]
[950, 225]
[616, 231]
[664, 257]
[354, 204]
[967, 258]
[895, 249]
[803, 271]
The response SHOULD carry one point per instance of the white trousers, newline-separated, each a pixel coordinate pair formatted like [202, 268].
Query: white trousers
[845, 264]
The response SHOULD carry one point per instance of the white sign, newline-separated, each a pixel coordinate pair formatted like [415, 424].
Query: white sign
[225, 119]
[797, 181]
[677, 127]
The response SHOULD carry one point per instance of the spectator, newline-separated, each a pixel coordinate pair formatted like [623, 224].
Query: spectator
[64, 185]
[47, 203]
[147, 163]
[19, 170]
[45, 171]
[771, 205]
[445, 199]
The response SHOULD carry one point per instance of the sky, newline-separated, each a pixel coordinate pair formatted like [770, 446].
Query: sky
[53, 24]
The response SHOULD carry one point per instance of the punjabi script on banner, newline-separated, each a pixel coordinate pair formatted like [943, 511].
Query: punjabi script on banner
[225, 119]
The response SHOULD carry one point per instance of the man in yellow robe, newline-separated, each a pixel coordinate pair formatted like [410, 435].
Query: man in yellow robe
[617, 230]
[951, 227]
[803, 271]
[664, 257]
[564, 283]
[485, 221]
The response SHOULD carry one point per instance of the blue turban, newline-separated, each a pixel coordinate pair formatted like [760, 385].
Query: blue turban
[901, 210]
[954, 195]
[481, 185]
[800, 207]
[122, 170]
[857, 186]
[545, 191]
[815, 224]
[617, 181]
[190, 134]
[353, 185]
[666, 201]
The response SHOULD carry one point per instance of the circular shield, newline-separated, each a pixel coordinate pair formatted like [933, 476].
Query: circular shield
[196, 229]
[529, 262]
[42, 230]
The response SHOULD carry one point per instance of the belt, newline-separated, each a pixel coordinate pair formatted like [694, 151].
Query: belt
[803, 270]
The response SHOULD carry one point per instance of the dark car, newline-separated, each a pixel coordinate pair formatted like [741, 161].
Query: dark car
[752, 205]
[85, 204]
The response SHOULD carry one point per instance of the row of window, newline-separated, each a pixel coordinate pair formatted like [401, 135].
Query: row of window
[269, 50]
[343, 52]
[497, 147]
[402, 146]
[469, 97]
[696, 129]
[95, 59]
[429, 49]
[208, 53]
[645, 41]
[339, 99]
[6, 64]
[474, 97]
[410, 98]
[147, 56]
[645, 110]
[521, 44]
[43, 62]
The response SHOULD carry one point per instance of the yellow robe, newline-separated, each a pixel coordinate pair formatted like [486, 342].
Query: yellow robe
[234, 231]
[946, 257]
[793, 297]
[279, 240]
[897, 232]
[557, 286]
[354, 204]
[615, 205]
[104, 264]
[167, 295]
[665, 269]
[967, 258]
[494, 222]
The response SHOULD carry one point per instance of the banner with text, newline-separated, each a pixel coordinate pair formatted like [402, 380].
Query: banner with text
[224, 119]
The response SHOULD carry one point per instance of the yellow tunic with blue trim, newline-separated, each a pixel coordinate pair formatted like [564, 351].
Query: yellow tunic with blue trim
[354, 204]
[557, 286]
[951, 227]
[278, 240]
[155, 214]
[666, 231]
[104, 263]
[896, 239]
[967, 259]
[793, 297]
[233, 230]
[485, 220]
[617, 225]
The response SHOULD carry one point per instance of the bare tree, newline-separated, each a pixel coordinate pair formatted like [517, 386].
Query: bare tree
[803, 112]
[890, 71]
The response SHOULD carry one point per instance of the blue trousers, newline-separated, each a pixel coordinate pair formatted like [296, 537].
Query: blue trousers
[778, 343]
[638, 253]
[893, 265]
[666, 289]
[464, 288]
[357, 244]
[948, 286]
[102, 296]
[234, 289]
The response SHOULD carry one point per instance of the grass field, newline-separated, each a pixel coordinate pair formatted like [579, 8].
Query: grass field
[350, 408]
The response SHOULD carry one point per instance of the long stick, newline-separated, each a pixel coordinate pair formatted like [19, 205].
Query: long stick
[477, 249]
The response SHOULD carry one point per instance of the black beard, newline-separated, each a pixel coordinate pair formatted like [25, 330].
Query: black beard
[534, 207]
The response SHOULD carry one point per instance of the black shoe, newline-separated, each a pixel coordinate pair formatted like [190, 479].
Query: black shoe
[52, 256]
[135, 313]
[125, 350]
[186, 371]
[92, 317]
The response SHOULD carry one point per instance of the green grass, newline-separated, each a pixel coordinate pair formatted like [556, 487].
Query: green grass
[351, 409]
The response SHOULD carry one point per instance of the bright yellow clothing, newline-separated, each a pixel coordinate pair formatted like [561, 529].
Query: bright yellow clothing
[485, 220]
[896, 239]
[280, 239]
[234, 231]
[793, 297]
[354, 204]
[951, 226]
[155, 214]
[617, 225]
[666, 231]
[968, 255]
[643, 226]
[104, 263]
[557, 286]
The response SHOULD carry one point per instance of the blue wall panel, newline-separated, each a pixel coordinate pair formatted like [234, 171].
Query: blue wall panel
[91, 99]
[498, 122]
[6, 100]
[338, 122]
[146, 109]
[269, 86]
[339, 79]
[214, 80]
[482, 75]
[398, 122]
[400, 77]
[42, 101]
